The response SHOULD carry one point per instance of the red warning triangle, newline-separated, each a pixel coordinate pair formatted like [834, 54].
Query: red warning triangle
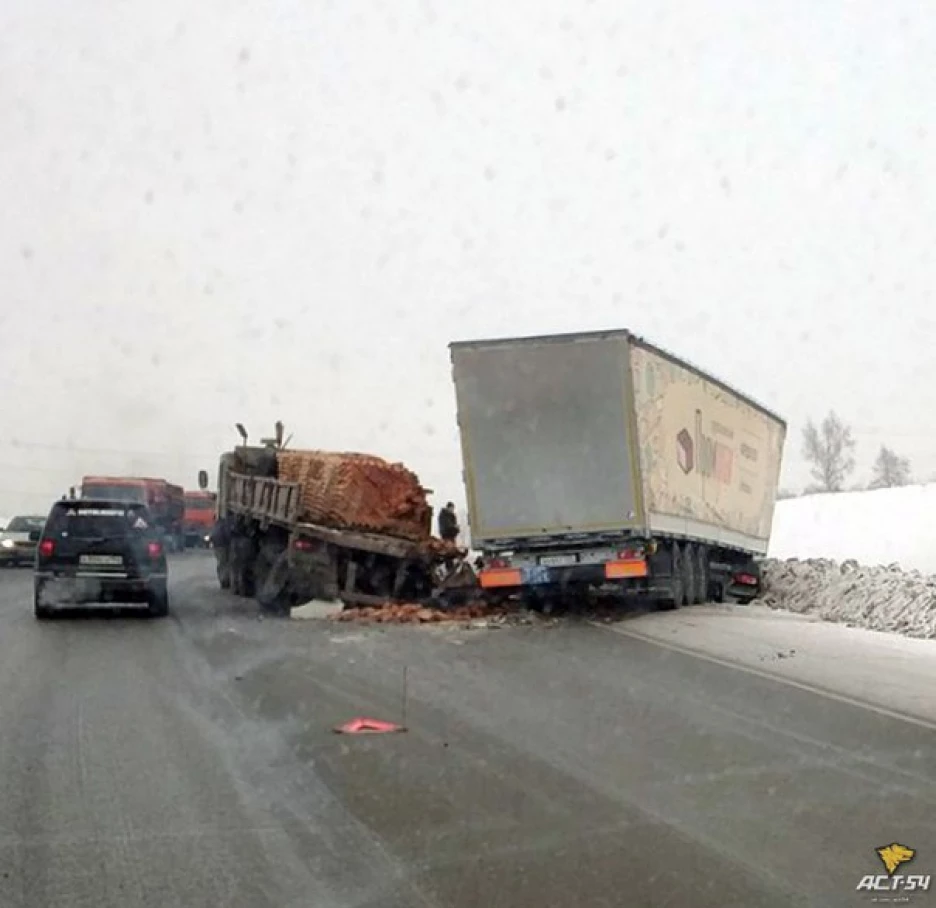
[363, 726]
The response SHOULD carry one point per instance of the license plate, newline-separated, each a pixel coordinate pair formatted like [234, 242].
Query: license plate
[101, 560]
[557, 560]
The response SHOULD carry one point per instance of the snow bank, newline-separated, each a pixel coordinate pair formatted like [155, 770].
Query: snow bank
[881, 527]
[878, 598]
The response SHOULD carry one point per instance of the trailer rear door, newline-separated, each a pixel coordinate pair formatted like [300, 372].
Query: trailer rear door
[546, 436]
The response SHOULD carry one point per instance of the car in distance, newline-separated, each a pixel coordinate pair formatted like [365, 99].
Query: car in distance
[100, 551]
[18, 541]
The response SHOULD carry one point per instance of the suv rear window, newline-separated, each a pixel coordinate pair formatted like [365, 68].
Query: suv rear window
[91, 521]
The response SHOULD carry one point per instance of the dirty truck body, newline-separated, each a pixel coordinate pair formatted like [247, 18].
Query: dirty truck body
[600, 461]
[265, 550]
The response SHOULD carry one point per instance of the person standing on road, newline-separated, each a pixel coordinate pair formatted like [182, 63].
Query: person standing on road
[448, 523]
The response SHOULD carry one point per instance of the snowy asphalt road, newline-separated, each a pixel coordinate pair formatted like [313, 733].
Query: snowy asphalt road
[190, 762]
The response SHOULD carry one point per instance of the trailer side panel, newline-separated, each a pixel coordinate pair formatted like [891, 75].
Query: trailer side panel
[710, 460]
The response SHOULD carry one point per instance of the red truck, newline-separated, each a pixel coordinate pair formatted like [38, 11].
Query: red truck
[199, 517]
[165, 501]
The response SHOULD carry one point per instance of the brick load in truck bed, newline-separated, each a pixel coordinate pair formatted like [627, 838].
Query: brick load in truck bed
[358, 492]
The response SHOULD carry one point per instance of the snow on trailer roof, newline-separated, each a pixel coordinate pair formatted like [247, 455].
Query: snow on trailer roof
[627, 335]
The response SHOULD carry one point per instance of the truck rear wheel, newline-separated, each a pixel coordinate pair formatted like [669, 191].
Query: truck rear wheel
[223, 569]
[273, 594]
[241, 566]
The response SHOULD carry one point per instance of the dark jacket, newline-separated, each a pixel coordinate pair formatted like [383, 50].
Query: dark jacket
[448, 524]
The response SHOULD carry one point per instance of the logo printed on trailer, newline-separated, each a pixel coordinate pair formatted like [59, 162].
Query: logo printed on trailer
[703, 453]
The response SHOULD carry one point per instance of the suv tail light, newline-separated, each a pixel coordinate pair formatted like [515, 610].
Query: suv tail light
[154, 549]
[47, 548]
[746, 579]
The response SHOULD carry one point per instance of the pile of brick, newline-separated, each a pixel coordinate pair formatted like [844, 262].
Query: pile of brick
[358, 492]
[418, 614]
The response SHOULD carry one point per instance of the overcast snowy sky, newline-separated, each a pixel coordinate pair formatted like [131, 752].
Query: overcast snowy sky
[247, 211]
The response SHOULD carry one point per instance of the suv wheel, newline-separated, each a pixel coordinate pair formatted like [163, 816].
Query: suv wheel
[158, 599]
[42, 612]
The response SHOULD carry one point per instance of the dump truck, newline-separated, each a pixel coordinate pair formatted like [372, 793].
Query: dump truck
[198, 519]
[300, 525]
[600, 462]
[165, 501]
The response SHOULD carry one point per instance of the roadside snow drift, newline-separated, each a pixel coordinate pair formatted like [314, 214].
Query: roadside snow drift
[883, 527]
[878, 598]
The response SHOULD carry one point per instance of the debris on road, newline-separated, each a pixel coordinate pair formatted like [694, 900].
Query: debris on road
[317, 609]
[878, 598]
[476, 615]
[364, 726]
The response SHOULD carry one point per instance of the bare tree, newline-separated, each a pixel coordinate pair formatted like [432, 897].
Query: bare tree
[889, 470]
[829, 448]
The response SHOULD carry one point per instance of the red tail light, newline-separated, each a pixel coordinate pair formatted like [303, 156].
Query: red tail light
[47, 548]
[498, 563]
[154, 549]
[631, 553]
[304, 545]
[746, 579]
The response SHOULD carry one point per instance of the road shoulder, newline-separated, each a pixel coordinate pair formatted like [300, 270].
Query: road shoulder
[885, 672]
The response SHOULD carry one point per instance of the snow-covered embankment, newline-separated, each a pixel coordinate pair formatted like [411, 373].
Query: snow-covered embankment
[879, 598]
[862, 554]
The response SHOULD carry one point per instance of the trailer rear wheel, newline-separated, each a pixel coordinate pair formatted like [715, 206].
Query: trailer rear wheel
[701, 575]
[677, 580]
[691, 581]
[717, 590]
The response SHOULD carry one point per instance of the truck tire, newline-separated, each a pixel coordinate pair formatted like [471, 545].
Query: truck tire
[223, 568]
[691, 583]
[677, 580]
[240, 566]
[717, 590]
[273, 594]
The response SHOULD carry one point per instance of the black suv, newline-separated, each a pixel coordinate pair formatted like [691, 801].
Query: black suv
[97, 550]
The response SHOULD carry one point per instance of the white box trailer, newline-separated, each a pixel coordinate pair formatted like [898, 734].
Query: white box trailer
[596, 459]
